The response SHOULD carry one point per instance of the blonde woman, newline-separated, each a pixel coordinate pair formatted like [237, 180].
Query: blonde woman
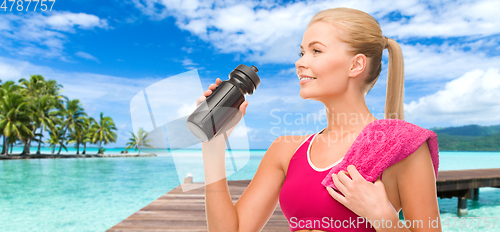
[340, 61]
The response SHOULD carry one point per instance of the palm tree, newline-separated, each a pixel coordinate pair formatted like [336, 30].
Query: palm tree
[56, 138]
[86, 133]
[139, 140]
[44, 98]
[14, 120]
[102, 131]
[31, 91]
[46, 116]
[53, 89]
[8, 87]
[74, 116]
[78, 133]
[11, 141]
[1, 134]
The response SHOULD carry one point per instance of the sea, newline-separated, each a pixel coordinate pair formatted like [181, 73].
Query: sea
[94, 194]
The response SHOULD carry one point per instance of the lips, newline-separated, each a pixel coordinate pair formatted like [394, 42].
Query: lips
[303, 79]
[300, 76]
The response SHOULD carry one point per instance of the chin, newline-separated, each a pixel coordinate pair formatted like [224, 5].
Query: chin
[304, 95]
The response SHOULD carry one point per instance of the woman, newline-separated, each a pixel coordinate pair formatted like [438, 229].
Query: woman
[340, 61]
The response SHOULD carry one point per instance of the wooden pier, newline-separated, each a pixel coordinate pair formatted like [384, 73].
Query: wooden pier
[185, 211]
[465, 184]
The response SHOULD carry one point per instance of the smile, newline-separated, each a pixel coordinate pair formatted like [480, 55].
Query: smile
[306, 79]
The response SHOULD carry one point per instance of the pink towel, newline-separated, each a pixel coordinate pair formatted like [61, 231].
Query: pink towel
[383, 143]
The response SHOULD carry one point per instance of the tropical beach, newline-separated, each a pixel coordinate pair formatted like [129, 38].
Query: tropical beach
[36, 105]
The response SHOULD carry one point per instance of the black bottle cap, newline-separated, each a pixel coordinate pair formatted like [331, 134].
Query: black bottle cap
[250, 72]
[255, 69]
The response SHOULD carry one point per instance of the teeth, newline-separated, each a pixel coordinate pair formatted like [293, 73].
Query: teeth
[307, 78]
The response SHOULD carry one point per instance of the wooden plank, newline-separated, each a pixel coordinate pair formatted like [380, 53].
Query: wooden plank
[467, 179]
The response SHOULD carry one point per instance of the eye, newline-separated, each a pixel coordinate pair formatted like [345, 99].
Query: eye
[301, 54]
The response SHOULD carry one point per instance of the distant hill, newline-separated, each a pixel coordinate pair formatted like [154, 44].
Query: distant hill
[468, 138]
[469, 130]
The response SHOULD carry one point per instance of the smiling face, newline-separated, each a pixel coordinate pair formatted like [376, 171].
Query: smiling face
[325, 58]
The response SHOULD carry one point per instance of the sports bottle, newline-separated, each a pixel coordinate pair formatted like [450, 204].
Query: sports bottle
[221, 106]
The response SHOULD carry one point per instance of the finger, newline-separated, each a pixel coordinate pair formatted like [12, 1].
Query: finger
[340, 186]
[200, 99]
[345, 173]
[354, 172]
[336, 195]
[212, 86]
[344, 179]
[218, 81]
[378, 182]
[243, 107]
[207, 92]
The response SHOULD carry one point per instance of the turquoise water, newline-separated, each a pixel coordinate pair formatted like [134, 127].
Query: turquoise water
[488, 204]
[94, 194]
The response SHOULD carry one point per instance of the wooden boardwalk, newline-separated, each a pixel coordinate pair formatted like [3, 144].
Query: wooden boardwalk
[185, 211]
[465, 184]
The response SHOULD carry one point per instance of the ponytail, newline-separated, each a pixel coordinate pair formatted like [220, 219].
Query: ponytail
[394, 101]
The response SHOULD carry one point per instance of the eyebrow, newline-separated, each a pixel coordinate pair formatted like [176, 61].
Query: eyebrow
[312, 43]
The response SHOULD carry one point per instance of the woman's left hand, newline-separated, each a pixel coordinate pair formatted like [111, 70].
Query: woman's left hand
[360, 196]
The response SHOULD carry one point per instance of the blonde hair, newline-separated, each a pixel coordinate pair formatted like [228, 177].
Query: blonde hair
[364, 35]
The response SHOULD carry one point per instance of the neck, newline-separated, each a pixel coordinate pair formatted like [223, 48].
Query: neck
[347, 116]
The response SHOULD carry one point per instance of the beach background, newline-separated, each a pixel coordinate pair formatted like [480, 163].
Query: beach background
[94, 194]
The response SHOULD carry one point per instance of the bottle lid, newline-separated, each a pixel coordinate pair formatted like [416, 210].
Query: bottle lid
[250, 72]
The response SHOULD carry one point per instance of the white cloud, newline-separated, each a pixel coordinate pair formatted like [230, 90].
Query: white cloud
[67, 21]
[471, 98]
[43, 34]
[188, 62]
[86, 56]
[443, 61]
[270, 32]
[449, 19]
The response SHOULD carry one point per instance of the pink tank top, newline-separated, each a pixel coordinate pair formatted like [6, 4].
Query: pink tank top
[307, 204]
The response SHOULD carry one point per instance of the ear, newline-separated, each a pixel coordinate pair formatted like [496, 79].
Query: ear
[358, 65]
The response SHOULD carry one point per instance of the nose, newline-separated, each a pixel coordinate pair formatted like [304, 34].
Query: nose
[300, 63]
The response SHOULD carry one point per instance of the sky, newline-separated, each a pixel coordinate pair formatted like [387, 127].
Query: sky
[106, 52]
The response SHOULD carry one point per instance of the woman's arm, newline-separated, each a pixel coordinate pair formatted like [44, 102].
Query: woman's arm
[417, 191]
[257, 203]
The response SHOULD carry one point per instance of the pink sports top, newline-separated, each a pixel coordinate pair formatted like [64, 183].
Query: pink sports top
[307, 204]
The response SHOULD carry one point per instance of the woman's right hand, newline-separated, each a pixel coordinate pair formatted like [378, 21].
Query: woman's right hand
[234, 121]
[207, 93]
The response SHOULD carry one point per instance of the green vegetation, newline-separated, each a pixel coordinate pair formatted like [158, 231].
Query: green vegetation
[469, 138]
[35, 106]
[139, 140]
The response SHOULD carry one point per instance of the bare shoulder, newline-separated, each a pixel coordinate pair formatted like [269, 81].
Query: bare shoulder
[418, 160]
[288, 144]
[417, 185]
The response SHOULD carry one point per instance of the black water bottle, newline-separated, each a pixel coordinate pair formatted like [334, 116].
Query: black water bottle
[221, 106]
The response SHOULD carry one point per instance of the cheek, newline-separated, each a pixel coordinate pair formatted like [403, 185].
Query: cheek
[332, 73]
[328, 67]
